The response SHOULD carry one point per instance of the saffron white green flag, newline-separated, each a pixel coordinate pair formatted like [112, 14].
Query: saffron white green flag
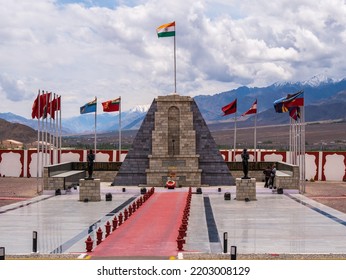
[166, 30]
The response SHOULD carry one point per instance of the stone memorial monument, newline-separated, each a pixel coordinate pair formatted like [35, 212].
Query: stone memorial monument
[174, 136]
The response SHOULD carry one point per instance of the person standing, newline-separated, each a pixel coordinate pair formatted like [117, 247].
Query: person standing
[272, 177]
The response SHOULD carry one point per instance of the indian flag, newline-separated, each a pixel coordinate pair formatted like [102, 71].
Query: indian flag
[166, 30]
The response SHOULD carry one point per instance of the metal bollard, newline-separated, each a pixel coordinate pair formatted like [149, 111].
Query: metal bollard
[233, 252]
[34, 241]
[2, 253]
[225, 241]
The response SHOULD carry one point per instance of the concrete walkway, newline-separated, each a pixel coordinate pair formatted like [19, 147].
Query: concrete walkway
[274, 223]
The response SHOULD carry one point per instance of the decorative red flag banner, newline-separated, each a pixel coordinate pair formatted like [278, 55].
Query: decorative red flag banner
[34, 112]
[111, 105]
[252, 110]
[42, 111]
[229, 109]
[54, 105]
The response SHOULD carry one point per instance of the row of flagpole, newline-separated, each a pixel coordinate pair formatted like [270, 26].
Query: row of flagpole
[292, 103]
[47, 109]
[47, 106]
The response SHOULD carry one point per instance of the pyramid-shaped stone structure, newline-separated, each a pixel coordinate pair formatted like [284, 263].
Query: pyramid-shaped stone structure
[174, 139]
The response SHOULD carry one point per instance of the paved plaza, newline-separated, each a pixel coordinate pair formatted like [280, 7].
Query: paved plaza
[287, 223]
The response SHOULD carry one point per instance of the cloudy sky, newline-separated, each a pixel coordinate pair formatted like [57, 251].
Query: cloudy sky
[109, 48]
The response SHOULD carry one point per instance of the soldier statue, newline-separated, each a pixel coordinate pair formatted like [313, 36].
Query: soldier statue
[90, 159]
[245, 160]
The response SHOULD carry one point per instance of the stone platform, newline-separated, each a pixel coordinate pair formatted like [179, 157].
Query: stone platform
[90, 189]
[245, 189]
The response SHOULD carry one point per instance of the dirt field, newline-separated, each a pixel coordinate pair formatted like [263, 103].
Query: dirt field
[332, 194]
[322, 136]
[16, 189]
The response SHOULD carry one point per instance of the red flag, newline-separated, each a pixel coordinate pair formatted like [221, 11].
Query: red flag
[229, 109]
[294, 112]
[42, 111]
[295, 100]
[34, 112]
[54, 105]
[252, 110]
[111, 105]
[44, 102]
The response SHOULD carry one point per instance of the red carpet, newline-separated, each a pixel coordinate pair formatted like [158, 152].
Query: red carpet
[151, 231]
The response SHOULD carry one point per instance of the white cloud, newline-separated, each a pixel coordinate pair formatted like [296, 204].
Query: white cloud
[13, 90]
[80, 49]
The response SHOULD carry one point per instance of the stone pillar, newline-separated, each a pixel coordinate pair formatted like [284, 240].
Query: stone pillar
[90, 190]
[245, 188]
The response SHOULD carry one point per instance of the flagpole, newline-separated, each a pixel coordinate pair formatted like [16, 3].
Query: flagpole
[95, 128]
[53, 131]
[56, 139]
[303, 147]
[59, 156]
[42, 136]
[38, 142]
[46, 132]
[290, 142]
[50, 131]
[175, 66]
[235, 135]
[120, 128]
[255, 137]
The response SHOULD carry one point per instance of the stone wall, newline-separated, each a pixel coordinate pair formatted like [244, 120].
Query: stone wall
[54, 183]
[105, 176]
[257, 174]
[287, 176]
[132, 170]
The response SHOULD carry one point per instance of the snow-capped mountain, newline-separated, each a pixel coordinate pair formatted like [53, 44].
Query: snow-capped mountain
[140, 109]
[318, 80]
[130, 119]
[319, 91]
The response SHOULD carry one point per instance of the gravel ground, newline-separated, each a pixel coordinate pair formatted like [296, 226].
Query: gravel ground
[332, 194]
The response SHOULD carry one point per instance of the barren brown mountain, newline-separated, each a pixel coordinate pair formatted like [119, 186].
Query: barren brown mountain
[16, 131]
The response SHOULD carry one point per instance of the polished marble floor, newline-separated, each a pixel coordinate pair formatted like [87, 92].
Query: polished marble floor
[274, 223]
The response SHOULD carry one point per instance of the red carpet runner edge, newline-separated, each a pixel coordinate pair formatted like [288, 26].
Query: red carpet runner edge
[151, 230]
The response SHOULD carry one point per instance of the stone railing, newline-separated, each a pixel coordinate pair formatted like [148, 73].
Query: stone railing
[287, 176]
[57, 176]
